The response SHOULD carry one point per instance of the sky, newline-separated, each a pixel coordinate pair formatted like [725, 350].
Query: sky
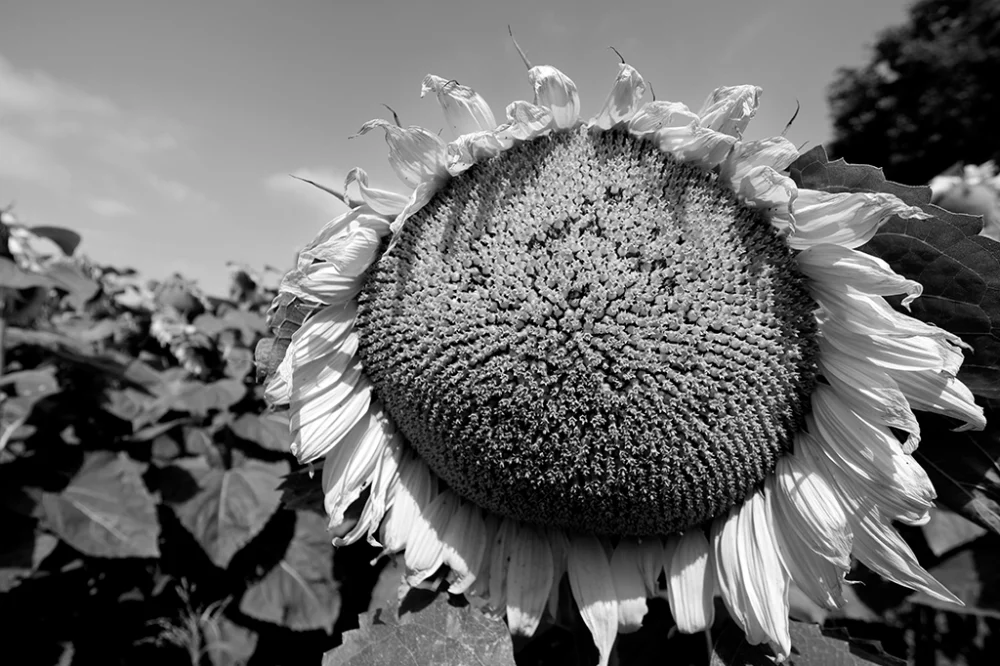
[164, 132]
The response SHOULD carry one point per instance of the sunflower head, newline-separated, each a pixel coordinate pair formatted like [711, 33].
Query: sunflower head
[628, 351]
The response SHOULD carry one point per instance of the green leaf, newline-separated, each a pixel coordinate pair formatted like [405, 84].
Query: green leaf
[973, 575]
[300, 592]
[14, 277]
[105, 511]
[239, 362]
[231, 506]
[441, 634]
[948, 530]
[36, 383]
[199, 398]
[268, 430]
[229, 644]
[69, 277]
[812, 645]
[23, 548]
[958, 268]
[66, 239]
[964, 467]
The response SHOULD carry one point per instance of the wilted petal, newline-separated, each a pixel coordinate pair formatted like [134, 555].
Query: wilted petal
[623, 100]
[836, 267]
[384, 477]
[383, 202]
[729, 109]
[775, 152]
[470, 149]
[654, 116]
[415, 154]
[349, 466]
[556, 92]
[849, 219]
[500, 548]
[630, 585]
[529, 579]
[694, 144]
[813, 534]
[464, 110]
[751, 576]
[412, 491]
[651, 560]
[942, 393]
[590, 579]
[525, 121]
[690, 583]
[424, 546]
[464, 546]
[420, 197]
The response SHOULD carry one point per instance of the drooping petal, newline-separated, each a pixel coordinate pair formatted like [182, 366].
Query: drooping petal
[464, 110]
[690, 584]
[630, 585]
[470, 149]
[654, 116]
[623, 100]
[869, 390]
[849, 219]
[775, 152]
[591, 580]
[349, 466]
[813, 534]
[696, 145]
[556, 92]
[836, 267]
[384, 477]
[500, 548]
[651, 563]
[529, 579]
[415, 154]
[525, 121]
[424, 545]
[942, 393]
[893, 352]
[770, 192]
[412, 492]
[464, 546]
[383, 202]
[729, 109]
[751, 577]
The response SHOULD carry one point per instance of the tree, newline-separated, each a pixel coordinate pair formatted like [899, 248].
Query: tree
[929, 97]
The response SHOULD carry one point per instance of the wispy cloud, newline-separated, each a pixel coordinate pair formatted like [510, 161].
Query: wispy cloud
[292, 189]
[57, 135]
[107, 207]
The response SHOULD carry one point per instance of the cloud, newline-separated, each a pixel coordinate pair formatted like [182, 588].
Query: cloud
[57, 135]
[282, 184]
[110, 207]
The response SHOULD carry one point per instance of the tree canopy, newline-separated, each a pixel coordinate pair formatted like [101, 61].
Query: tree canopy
[929, 97]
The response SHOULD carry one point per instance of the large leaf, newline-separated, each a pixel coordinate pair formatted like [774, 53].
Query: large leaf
[973, 575]
[268, 430]
[14, 277]
[959, 269]
[812, 645]
[965, 467]
[300, 592]
[947, 531]
[440, 634]
[66, 239]
[68, 276]
[229, 644]
[23, 548]
[231, 506]
[105, 511]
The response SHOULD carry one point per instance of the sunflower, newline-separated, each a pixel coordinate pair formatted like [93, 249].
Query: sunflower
[628, 352]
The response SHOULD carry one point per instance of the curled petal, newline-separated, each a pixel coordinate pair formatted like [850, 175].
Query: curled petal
[464, 110]
[383, 202]
[556, 92]
[729, 109]
[942, 393]
[415, 154]
[623, 100]
[464, 542]
[690, 583]
[529, 579]
[348, 467]
[591, 580]
[411, 493]
[695, 144]
[849, 219]
[524, 121]
[770, 192]
[469, 149]
[836, 267]
[384, 477]
[654, 116]
[419, 198]
[775, 152]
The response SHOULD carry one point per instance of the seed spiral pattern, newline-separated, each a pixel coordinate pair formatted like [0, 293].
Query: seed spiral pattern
[585, 333]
